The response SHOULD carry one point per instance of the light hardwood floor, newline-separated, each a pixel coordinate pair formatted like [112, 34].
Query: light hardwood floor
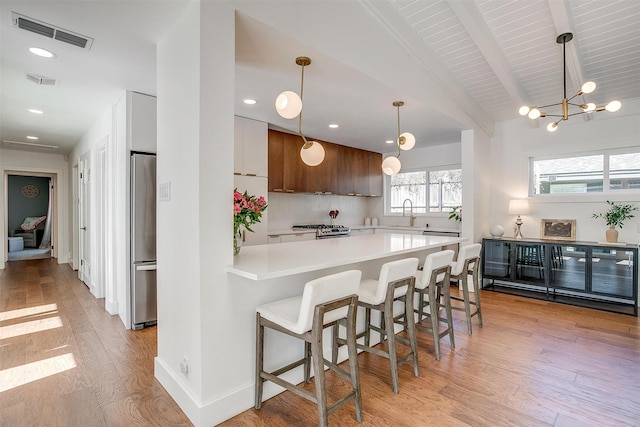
[65, 362]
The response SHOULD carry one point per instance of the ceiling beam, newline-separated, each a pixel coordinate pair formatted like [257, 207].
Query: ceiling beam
[475, 24]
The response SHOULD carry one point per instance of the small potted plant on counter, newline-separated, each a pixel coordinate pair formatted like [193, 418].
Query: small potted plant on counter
[456, 213]
[615, 217]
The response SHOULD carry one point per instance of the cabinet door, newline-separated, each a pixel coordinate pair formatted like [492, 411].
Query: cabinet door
[298, 237]
[255, 148]
[496, 259]
[294, 169]
[375, 174]
[361, 172]
[324, 177]
[255, 186]
[346, 171]
[141, 122]
[238, 145]
[276, 161]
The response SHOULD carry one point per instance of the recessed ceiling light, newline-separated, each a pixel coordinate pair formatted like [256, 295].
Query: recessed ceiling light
[250, 101]
[391, 141]
[42, 52]
[31, 137]
[34, 111]
[334, 125]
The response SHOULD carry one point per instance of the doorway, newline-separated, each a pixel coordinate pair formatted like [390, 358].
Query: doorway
[30, 215]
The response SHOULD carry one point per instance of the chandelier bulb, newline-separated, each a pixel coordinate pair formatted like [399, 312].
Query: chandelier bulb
[524, 110]
[552, 127]
[534, 113]
[588, 87]
[588, 108]
[613, 106]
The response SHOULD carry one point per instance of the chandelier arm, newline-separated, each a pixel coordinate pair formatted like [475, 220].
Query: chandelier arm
[554, 115]
[549, 105]
[564, 66]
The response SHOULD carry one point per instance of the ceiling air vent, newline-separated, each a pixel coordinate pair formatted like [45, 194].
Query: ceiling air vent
[50, 31]
[40, 80]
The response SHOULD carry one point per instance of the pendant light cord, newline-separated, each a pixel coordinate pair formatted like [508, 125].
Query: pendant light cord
[306, 143]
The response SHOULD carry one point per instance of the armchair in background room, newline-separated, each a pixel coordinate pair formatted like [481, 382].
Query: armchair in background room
[29, 230]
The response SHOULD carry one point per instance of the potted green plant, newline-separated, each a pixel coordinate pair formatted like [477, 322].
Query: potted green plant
[456, 213]
[615, 217]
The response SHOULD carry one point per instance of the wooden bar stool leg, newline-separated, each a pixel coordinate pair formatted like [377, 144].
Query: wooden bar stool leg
[367, 326]
[465, 294]
[259, 362]
[318, 372]
[447, 307]
[308, 353]
[411, 328]
[354, 369]
[476, 288]
[435, 313]
[387, 317]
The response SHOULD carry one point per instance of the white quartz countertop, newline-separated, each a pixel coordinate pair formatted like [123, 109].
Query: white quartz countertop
[284, 259]
[400, 228]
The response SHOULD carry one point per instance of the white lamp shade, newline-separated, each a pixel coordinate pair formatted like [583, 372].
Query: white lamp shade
[552, 127]
[313, 155]
[613, 106]
[409, 141]
[518, 207]
[391, 165]
[288, 104]
[588, 87]
[524, 110]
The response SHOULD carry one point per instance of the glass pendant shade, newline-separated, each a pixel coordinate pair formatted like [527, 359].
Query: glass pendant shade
[552, 127]
[288, 104]
[613, 106]
[588, 87]
[524, 110]
[589, 107]
[313, 155]
[391, 165]
[409, 141]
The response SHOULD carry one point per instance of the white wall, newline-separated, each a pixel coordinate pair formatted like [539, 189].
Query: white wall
[515, 141]
[45, 163]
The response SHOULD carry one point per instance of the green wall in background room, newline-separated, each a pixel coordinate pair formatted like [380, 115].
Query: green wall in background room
[20, 205]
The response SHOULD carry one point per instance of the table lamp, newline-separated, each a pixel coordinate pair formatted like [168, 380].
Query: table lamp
[518, 207]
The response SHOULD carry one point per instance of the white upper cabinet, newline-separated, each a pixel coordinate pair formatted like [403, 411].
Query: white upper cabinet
[141, 122]
[250, 147]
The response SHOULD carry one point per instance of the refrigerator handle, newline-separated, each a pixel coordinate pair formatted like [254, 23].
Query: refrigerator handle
[146, 267]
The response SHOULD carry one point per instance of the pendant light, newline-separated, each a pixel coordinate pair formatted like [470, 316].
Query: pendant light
[535, 112]
[406, 141]
[288, 106]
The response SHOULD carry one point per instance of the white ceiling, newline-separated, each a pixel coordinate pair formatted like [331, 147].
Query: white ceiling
[488, 57]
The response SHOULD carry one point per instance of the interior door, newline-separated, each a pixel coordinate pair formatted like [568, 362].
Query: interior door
[84, 269]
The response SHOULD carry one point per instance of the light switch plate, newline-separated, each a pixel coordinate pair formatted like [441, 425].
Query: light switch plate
[164, 192]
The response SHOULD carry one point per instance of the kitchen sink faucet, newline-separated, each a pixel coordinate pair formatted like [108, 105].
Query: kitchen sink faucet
[411, 217]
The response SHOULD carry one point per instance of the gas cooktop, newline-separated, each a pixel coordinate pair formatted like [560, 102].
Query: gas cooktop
[325, 230]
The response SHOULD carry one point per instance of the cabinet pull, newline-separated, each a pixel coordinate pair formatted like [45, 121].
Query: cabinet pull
[351, 194]
[252, 174]
[274, 235]
[358, 194]
[277, 190]
[237, 173]
[290, 191]
[328, 192]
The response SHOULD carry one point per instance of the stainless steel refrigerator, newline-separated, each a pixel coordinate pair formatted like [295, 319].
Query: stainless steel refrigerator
[143, 240]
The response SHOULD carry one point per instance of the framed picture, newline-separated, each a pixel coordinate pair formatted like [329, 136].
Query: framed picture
[558, 229]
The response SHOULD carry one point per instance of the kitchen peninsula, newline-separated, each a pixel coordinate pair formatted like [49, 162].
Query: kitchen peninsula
[275, 261]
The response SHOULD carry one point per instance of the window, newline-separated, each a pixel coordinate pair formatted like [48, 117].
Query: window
[595, 173]
[428, 191]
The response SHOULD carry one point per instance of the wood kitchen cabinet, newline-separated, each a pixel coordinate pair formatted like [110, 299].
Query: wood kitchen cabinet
[344, 171]
[375, 180]
[324, 177]
[287, 172]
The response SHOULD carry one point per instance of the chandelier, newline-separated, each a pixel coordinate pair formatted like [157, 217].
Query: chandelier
[288, 106]
[391, 165]
[535, 112]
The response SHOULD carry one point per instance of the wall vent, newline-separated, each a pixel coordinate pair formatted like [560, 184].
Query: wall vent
[50, 31]
[40, 80]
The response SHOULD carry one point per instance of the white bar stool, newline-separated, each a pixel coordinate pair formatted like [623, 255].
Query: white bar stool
[323, 302]
[467, 264]
[432, 283]
[395, 283]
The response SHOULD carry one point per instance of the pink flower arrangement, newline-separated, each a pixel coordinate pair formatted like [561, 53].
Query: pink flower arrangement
[247, 210]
